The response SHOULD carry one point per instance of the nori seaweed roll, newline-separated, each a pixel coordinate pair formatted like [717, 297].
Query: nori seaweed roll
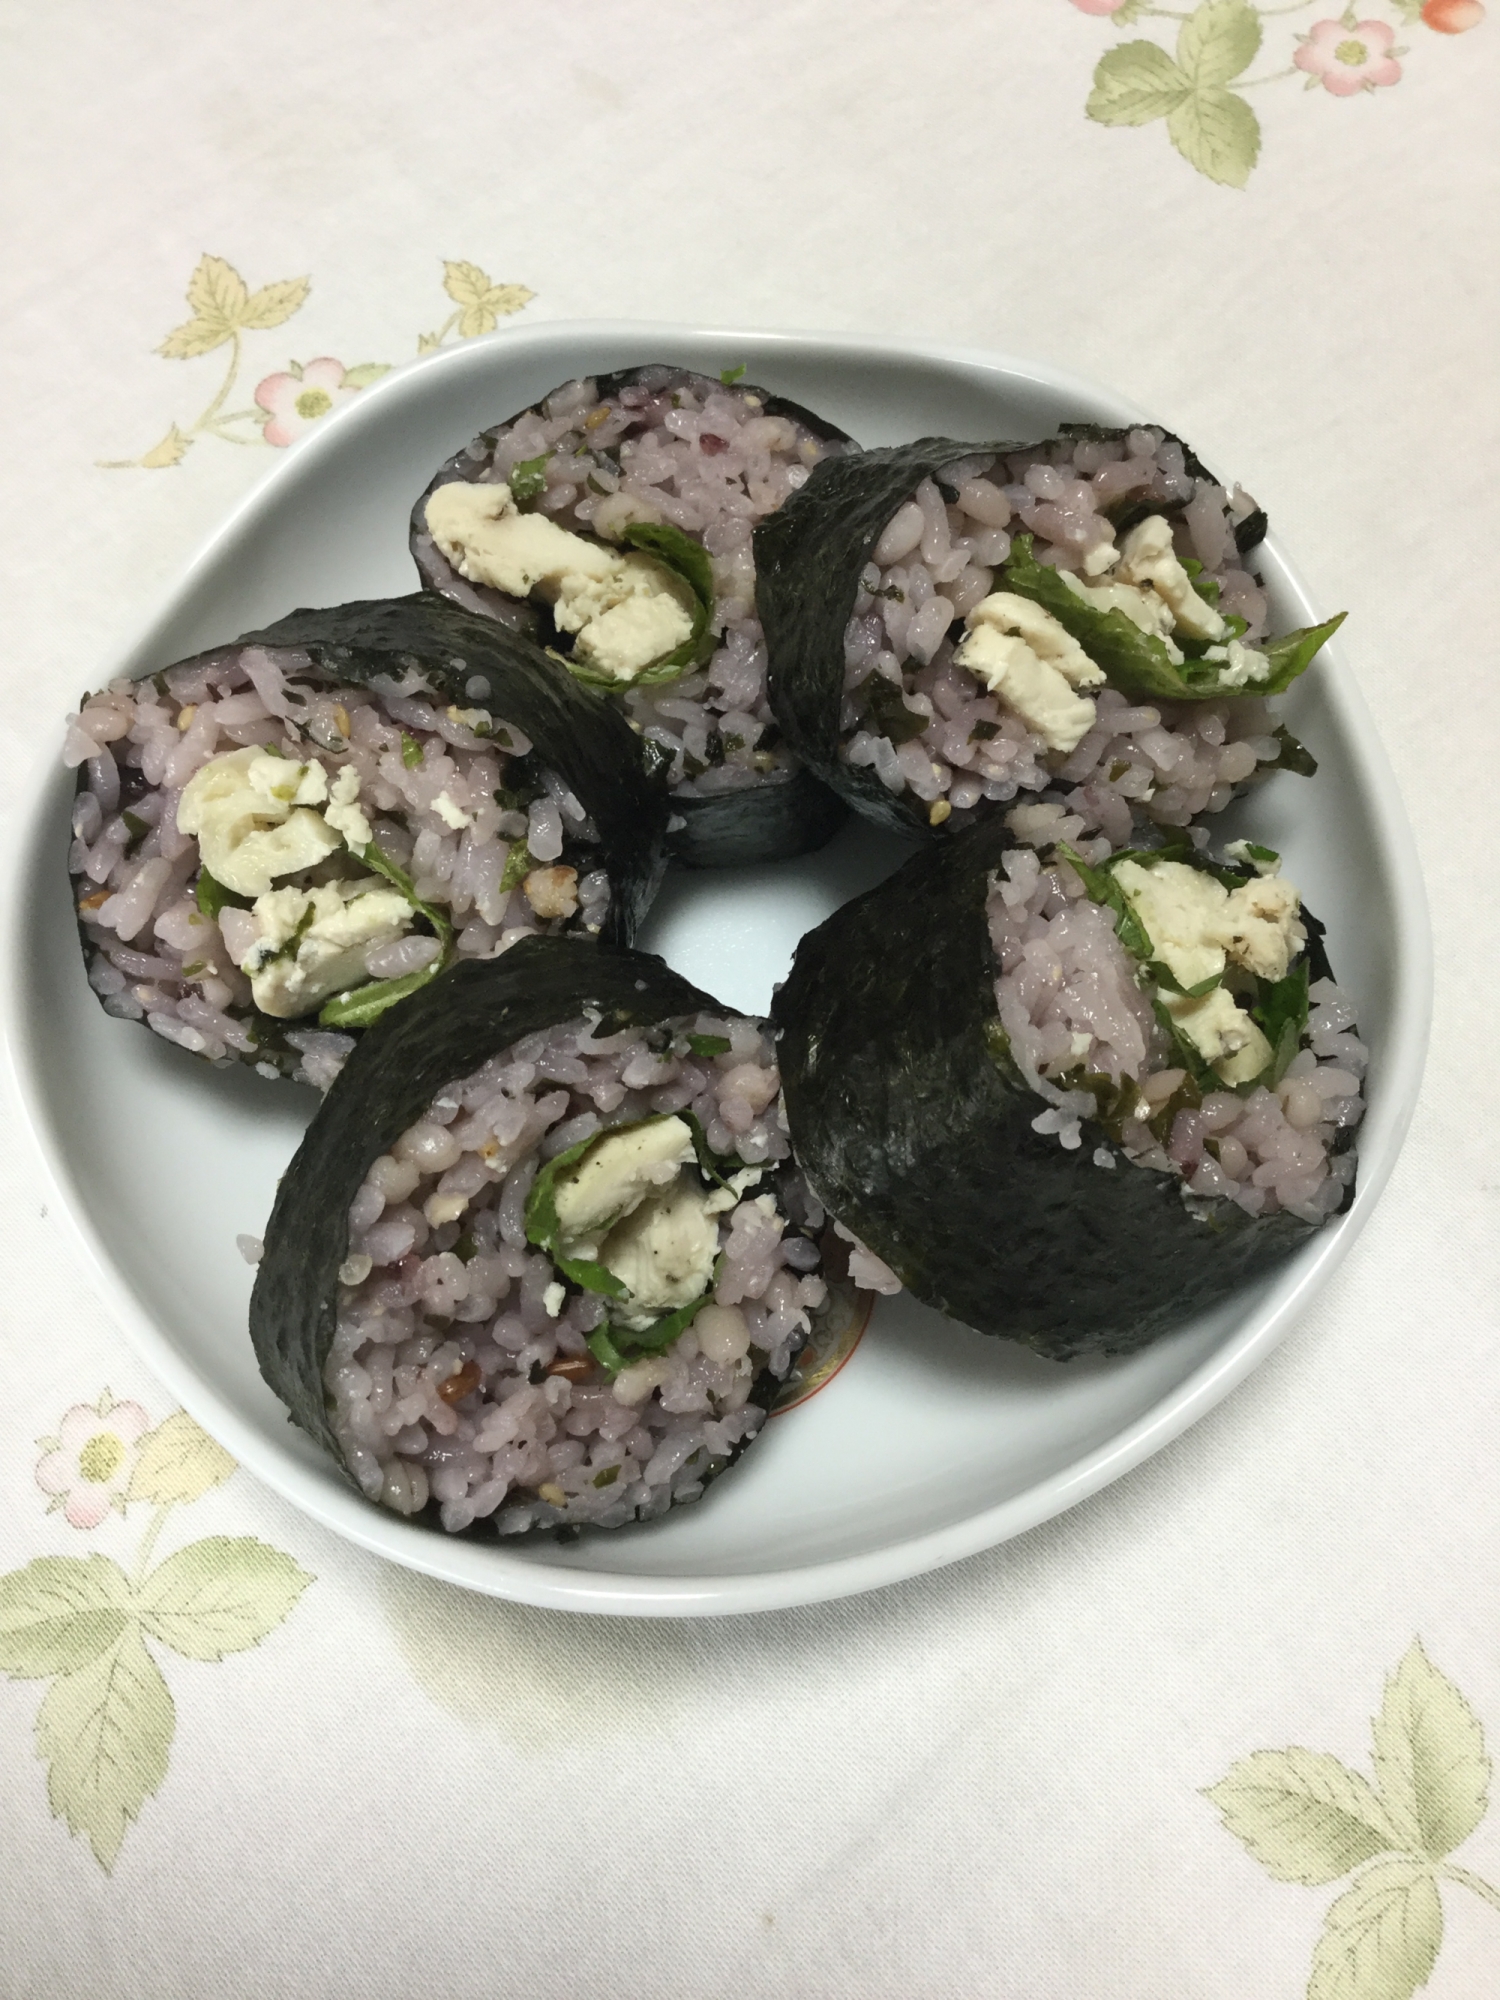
[613, 522]
[278, 839]
[543, 1259]
[954, 627]
[1072, 1102]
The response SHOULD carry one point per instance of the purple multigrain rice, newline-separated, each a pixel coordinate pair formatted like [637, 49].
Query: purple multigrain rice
[1068, 1000]
[139, 742]
[538, 1434]
[1166, 762]
[704, 457]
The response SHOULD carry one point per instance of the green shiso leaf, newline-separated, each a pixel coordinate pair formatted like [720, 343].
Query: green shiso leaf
[1115, 1103]
[1101, 886]
[1137, 663]
[729, 376]
[677, 552]
[542, 1229]
[541, 1203]
[411, 751]
[363, 1004]
[1188, 1057]
[708, 1045]
[887, 709]
[518, 865]
[1293, 653]
[710, 1164]
[136, 827]
[1280, 1012]
[590, 1276]
[655, 1338]
[1186, 1097]
[1168, 982]
[997, 1047]
[604, 1350]
[689, 561]
[212, 896]
[528, 480]
[1207, 587]
[1294, 755]
[373, 857]
[288, 947]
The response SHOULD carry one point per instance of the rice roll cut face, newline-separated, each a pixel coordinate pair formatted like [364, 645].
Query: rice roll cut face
[613, 522]
[953, 627]
[543, 1259]
[279, 839]
[1072, 1103]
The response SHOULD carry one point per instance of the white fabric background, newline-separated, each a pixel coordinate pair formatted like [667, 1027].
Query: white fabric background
[988, 1781]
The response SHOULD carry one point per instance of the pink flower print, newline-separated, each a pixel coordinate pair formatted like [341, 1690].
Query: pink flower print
[1098, 6]
[1348, 60]
[294, 402]
[87, 1466]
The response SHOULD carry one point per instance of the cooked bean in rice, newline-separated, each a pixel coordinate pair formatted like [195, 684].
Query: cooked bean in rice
[452, 799]
[930, 726]
[664, 445]
[476, 1363]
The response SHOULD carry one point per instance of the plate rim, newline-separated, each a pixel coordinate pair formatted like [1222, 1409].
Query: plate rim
[489, 1568]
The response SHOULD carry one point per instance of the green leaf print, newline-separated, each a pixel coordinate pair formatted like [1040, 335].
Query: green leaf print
[1217, 133]
[105, 1733]
[1380, 1940]
[1218, 42]
[59, 1613]
[179, 1462]
[1303, 1815]
[1430, 1760]
[106, 1723]
[220, 1595]
[1134, 84]
[1308, 1818]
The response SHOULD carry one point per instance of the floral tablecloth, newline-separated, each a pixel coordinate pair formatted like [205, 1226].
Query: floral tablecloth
[1223, 1730]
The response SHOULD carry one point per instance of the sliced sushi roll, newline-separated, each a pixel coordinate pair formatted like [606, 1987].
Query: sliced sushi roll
[612, 522]
[953, 627]
[1072, 1103]
[543, 1259]
[275, 841]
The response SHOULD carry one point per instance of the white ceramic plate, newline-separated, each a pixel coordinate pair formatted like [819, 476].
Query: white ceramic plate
[933, 1442]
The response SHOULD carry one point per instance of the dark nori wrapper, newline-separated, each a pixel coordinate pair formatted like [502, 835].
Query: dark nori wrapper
[808, 560]
[912, 1124]
[735, 829]
[443, 1032]
[765, 823]
[583, 739]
